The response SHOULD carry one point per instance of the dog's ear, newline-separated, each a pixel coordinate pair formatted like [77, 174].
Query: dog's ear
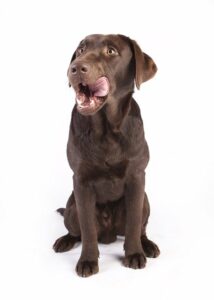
[145, 68]
[72, 59]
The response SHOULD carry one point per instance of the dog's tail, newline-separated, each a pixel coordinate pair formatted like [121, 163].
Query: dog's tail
[61, 211]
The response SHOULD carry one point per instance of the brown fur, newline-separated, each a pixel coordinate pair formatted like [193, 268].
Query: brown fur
[108, 154]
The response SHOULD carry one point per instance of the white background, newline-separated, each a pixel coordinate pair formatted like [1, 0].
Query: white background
[37, 39]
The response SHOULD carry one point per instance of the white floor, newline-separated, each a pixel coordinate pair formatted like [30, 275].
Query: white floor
[30, 268]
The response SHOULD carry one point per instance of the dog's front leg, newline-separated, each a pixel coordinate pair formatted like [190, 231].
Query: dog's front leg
[134, 197]
[85, 201]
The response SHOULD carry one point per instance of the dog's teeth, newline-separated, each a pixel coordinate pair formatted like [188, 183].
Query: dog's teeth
[79, 101]
[92, 102]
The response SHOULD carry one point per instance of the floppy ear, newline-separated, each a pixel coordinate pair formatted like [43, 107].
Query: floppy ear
[145, 68]
[72, 58]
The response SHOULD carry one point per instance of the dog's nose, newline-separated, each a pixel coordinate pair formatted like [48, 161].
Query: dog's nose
[82, 68]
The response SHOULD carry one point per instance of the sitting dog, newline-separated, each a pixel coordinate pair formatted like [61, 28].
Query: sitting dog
[107, 152]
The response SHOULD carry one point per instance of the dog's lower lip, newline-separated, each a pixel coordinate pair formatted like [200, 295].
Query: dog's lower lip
[89, 105]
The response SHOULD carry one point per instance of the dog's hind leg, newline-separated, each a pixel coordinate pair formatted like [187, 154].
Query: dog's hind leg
[150, 248]
[65, 243]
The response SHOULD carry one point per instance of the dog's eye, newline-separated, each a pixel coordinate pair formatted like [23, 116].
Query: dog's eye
[80, 50]
[112, 51]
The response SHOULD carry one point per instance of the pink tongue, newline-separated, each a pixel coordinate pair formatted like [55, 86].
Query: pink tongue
[100, 88]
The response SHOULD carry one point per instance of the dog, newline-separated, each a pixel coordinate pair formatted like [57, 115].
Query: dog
[107, 152]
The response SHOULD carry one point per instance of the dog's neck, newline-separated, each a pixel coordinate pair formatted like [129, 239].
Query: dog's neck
[113, 113]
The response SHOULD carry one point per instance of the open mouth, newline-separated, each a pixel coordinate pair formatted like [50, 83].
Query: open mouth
[91, 97]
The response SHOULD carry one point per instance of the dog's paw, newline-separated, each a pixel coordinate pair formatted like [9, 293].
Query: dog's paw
[150, 248]
[135, 261]
[87, 268]
[64, 243]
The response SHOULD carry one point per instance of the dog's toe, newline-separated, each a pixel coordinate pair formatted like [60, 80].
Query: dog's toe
[87, 268]
[64, 243]
[150, 248]
[135, 261]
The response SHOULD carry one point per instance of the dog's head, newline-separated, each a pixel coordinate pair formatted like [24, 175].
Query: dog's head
[104, 68]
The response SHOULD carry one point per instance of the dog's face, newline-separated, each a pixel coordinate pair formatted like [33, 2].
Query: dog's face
[104, 67]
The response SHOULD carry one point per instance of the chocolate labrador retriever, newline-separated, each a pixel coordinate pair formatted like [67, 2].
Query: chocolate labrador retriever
[107, 152]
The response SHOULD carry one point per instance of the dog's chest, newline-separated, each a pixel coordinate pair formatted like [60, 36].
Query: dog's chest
[108, 158]
[108, 180]
[111, 149]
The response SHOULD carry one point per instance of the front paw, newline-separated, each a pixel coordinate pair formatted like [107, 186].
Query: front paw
[87, 268]
[135, 261]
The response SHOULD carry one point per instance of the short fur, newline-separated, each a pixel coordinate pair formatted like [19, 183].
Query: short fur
[108, 154]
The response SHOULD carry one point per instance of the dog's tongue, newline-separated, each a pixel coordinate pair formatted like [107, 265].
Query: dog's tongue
[100, 88]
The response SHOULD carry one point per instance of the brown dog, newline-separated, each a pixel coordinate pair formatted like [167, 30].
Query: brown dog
[107, 152]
